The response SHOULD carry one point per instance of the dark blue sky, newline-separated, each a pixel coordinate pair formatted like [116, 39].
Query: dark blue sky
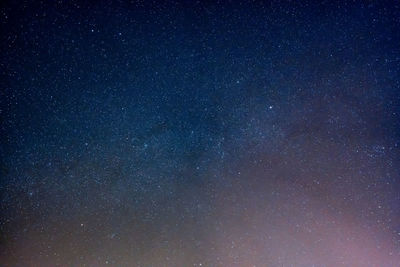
[227, 133]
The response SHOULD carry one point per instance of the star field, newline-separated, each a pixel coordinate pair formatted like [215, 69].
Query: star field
[200, 133]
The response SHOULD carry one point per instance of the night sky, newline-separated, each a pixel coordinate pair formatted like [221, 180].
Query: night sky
[257, 133]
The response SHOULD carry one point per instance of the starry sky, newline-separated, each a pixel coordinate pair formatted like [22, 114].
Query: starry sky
[200, 133]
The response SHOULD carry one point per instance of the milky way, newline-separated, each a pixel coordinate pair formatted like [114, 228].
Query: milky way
[200, 134]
